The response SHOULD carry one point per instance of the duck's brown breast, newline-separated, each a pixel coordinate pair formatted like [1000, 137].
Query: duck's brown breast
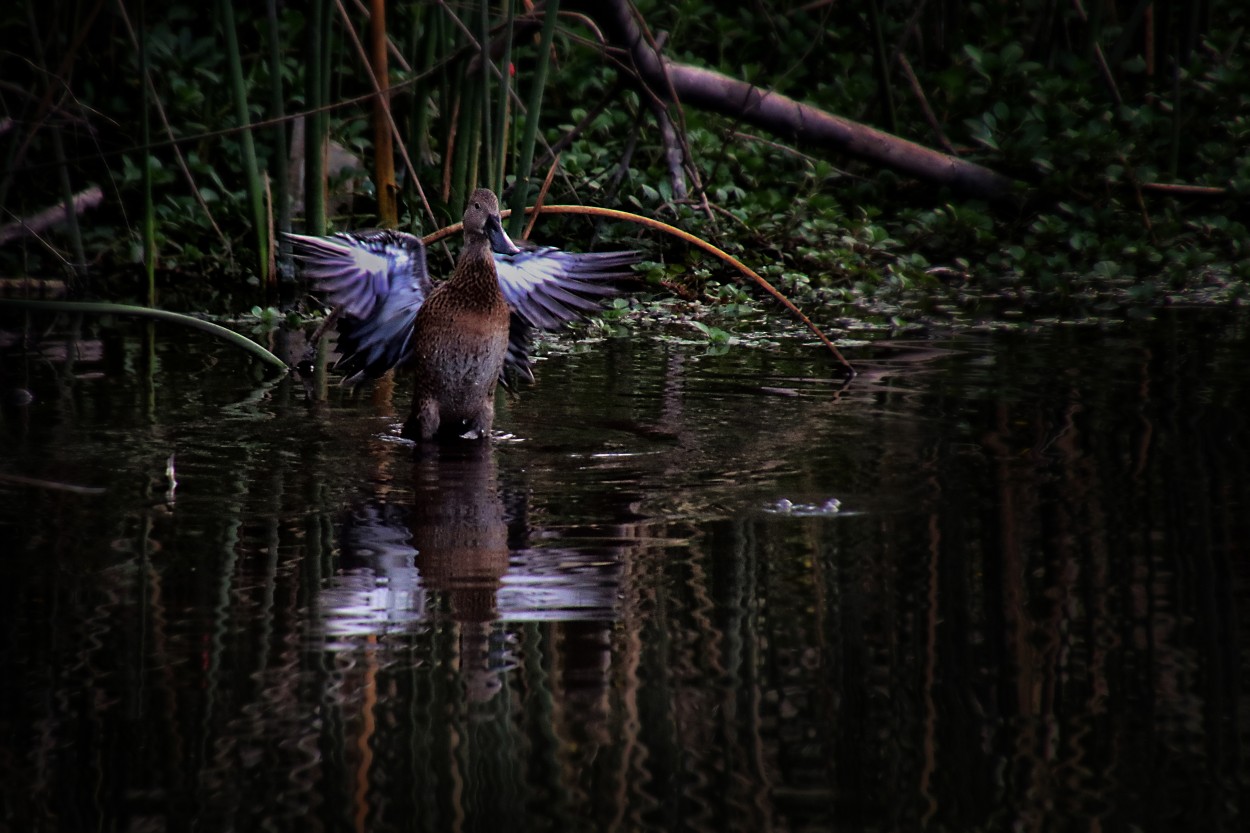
[459, 345]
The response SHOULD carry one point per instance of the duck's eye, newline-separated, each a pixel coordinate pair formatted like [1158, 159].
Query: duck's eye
[478, 206]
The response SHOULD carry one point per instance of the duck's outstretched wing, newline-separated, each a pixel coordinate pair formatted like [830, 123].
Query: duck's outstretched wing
[360, 269]
[378, 280]
[547, 288]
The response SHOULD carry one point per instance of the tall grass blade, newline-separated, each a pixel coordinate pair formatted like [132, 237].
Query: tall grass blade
[885, 90]
[425, 37]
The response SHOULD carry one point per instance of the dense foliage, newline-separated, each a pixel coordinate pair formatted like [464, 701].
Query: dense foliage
[1091, 106]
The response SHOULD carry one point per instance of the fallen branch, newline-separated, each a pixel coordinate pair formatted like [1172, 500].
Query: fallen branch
[1177, 190]
[51, 216]
[788, 118]
[28, 287]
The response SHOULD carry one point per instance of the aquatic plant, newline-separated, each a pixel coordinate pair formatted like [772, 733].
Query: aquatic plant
[1104, 118]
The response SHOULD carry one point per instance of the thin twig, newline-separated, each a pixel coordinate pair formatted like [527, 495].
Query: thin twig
[576, 130]
[909, 28]
[542, 196]
[1141, 202]
[655, 47]
[390, 118]
[1108, 78]
[923, 100]
[1181, 190]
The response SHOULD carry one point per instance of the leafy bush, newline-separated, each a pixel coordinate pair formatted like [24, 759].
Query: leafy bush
[1017, 87]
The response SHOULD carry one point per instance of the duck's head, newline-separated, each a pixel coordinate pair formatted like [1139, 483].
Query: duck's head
[481, 217]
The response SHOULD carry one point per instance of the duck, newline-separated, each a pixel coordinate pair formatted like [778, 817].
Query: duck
[464, 335]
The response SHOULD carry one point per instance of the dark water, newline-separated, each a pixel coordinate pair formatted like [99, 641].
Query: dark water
[1009, 590]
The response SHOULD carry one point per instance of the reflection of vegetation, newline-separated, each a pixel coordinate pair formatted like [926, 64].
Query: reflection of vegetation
[1028, 596]
[1098, 108]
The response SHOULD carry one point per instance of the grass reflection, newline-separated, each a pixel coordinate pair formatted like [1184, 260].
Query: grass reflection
[1024, 615]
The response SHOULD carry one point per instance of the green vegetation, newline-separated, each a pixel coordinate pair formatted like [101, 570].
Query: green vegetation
[1094, 108]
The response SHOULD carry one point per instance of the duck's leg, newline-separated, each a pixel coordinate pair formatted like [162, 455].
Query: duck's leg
[423, 422]
[308, 360]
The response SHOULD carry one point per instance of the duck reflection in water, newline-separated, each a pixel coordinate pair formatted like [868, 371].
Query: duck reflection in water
[460, 551]
[461, 538]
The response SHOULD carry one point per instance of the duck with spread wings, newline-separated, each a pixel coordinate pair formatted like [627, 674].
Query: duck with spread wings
[462, 336]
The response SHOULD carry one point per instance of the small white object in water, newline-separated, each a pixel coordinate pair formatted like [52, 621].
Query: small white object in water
[171, 479]
[785, 506]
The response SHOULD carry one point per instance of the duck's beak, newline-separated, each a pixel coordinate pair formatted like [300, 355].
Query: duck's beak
[500, 242]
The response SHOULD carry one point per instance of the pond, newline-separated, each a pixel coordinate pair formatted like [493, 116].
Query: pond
[1000, 581]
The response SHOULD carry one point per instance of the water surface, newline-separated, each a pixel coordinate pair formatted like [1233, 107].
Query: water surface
[999, 581]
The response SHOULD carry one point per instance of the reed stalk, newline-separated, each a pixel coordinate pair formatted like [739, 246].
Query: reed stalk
[464, 145]
[425, 34]
[149, 208]
[525, 164]
[383, 150]
[62, 163]
[499, 142]
[485, 117]
[251, 170]
[67, 198]
[281, 174]
[315, 121]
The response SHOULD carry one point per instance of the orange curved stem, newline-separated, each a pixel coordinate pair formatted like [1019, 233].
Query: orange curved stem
[615, 214]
